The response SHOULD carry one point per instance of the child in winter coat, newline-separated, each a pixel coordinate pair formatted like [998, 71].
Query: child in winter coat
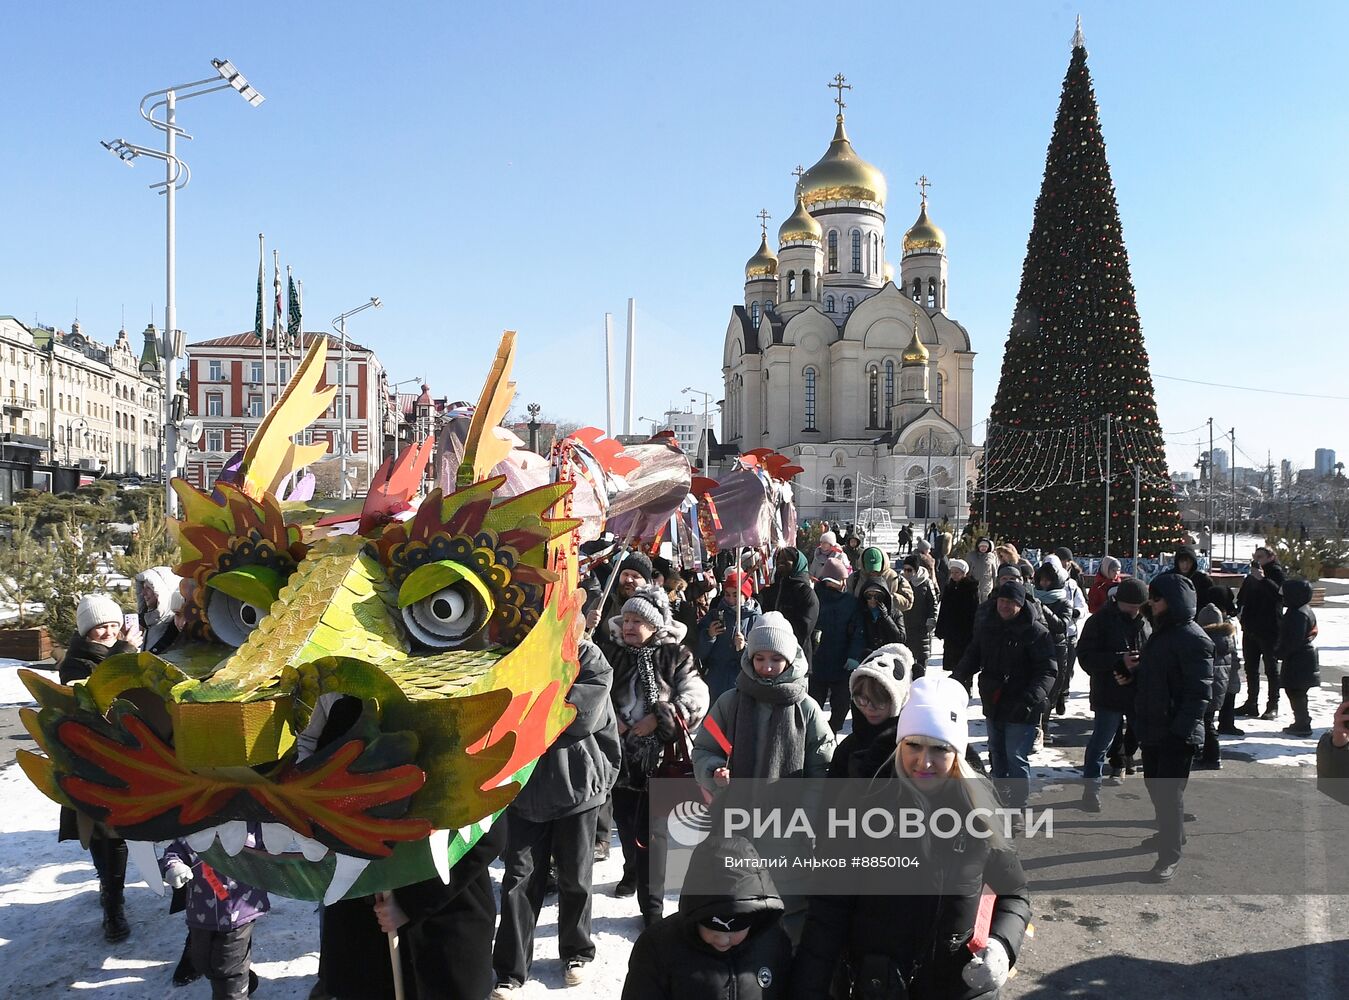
[1301, 669]
[983, 563]
[220, 917]
[1221, 633]
[879, 686]
[726, 940]
[913, 943]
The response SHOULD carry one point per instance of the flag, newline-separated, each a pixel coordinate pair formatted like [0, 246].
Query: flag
[257, 319]
[293, 314]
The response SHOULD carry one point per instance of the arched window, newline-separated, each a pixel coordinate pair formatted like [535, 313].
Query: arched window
[805, 284]
[917, 289]
[942, 303]
[828, 303]
[875, 254]
[833, 251]
[932, 293]
[873, 396]
[791, 285]
[889, 389]
[941, 390]
[829, 489]
[754, 314]
[810, 399]
[857, 251]
[847, 489]
[848, 304]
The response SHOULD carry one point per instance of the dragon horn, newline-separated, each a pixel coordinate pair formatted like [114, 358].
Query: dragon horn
[272, 455]
[485, 448]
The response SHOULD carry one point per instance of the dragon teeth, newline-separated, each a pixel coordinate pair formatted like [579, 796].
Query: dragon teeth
[466, 833]
[277, 837]
[142, 854]
[201, 840]
[486, 823]
[233, 835]
[311, 849]
[439, 842]
[345, 874]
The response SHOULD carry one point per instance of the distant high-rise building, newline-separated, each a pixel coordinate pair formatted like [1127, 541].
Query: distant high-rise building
[1325, 462]
[1220, 462]
[1285, 474]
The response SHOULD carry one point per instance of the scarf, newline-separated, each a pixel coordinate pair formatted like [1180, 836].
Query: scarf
[785, 749]
[644, 752]
[1051, 596]
[919, 577]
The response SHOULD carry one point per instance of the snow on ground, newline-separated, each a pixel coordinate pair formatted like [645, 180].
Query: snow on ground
[51, 943]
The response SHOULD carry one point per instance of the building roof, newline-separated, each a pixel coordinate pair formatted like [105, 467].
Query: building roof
[249, 340]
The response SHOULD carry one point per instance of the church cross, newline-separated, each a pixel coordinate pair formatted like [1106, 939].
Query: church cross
[840, 84]
[922, 184]
[763, 221]
[797, 174]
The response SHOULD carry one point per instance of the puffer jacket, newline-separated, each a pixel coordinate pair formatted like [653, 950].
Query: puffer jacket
[1301, 667]
[82, 656]
[1223, 636]
[1259, 600]
[671, 962]
[882, 624]
[1174, 680]
[578, 770]
[892, 580]
[1108, 634]
[955, 619]
[793, 597]
[841, 633]
[1016, 664]
[921, 617]
[983, 566]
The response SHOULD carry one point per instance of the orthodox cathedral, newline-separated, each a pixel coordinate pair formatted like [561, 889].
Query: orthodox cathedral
[867, 383]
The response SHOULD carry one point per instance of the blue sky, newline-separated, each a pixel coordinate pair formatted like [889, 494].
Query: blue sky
[531, 165]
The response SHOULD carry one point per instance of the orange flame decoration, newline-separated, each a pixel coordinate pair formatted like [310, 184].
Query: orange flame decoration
[329, 795]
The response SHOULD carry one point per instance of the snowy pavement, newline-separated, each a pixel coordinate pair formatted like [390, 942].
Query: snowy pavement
[51, 943]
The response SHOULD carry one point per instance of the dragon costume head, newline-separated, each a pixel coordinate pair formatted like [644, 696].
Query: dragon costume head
[450, 625]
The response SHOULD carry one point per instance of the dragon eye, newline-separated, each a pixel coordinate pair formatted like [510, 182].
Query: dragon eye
[446, 618]
[233, 620]
[444, 604]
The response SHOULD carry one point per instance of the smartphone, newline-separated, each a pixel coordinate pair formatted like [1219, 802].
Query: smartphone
[130, 622]
[1344, 687]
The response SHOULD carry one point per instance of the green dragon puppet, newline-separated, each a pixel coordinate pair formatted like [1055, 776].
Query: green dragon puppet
[453, 621]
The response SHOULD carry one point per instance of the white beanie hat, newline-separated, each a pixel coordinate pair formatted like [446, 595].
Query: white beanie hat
[959, 564]
[772, 631]
[938, 709]
[95, 610]
[652, 605]
[829, 538]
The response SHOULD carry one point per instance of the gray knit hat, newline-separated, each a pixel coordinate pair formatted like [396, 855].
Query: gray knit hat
[1009, 571]
[774, 632]
[652, 605]
[95, 610]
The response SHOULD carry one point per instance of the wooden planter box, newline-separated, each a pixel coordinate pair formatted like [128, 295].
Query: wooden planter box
[25, 643]
[1342, 573]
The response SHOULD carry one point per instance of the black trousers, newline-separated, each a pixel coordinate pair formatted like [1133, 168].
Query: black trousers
[223, 957]
[571, 841]
[1166, 770]
[644, 849]
[604, 821]
[839, 696]
[1124, 745]
[1253, 649]
[1302, 717]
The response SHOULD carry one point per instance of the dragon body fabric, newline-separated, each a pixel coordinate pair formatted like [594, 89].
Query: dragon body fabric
[451, 624]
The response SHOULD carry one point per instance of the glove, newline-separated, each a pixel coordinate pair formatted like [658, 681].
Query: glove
[850, 666]
[987, 971]
[177, 874]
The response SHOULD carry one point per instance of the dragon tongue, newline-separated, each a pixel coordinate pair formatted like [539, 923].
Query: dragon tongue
[345, 874]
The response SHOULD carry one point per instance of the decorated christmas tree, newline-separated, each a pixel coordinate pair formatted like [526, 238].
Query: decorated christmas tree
[1075, 369]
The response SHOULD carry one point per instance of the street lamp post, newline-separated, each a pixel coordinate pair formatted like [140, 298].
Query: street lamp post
[340, 324]
[176, 176]
[707, 403]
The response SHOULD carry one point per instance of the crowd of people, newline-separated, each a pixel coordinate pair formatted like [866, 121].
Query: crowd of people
[749, 669]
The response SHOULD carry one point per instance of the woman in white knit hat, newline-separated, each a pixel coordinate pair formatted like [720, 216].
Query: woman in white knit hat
[102, 631]
[915, 943]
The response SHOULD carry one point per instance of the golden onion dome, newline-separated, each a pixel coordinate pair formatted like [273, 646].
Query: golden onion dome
[915, 353]
[923, 234]
[889, 271]
[764, 263]
[842, 175]
[800, 226]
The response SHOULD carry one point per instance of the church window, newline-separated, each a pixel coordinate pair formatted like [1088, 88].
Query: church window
[941, 390]
[791, 285]
[829, 488]
[917, 289]
[805, 284]
[848, 304]
[931, 293]
[754, 314]
[942, 303]
[828, 303]
[857, 251]
[875, 254]
[833, 251]
[810, 399]
[873, 396]
[889, 389]
[847, 489]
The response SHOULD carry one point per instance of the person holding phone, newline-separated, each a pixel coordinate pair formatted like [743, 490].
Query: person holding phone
[721, 633]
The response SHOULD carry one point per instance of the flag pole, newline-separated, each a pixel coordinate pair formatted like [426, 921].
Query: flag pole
[276, 315]
[259, 324]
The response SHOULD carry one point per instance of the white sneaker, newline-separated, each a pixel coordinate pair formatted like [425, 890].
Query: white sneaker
[504, 991]
[575, 974]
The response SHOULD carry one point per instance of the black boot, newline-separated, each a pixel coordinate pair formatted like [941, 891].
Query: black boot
[186, 972]
[115, 927]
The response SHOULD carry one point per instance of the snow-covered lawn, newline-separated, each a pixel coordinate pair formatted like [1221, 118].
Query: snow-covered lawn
[50, 941]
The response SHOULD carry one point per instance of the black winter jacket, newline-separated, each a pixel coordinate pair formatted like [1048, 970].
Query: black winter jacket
[1301, 670]
[671, 962]
[885, 624]
[1174, 680]
[867, 750]
[578, 770]
[83, 656]
[1259, 601]
[921, 618]
[1016, 664]
[1107, 634]
[794, 599]
[841, 632]
[955, 619]
[912, 944]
